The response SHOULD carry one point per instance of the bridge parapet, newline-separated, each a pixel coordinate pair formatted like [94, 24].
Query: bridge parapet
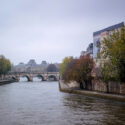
[29, 75]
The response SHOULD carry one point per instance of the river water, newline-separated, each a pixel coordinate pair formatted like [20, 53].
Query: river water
[41, 103]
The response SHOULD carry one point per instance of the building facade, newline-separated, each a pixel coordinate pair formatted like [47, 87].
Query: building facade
[89, 50]
[31, 66]
[100, 35]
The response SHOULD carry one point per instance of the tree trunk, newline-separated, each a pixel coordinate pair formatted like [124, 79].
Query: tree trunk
[81, 85]
[86, 87]
[107, 86]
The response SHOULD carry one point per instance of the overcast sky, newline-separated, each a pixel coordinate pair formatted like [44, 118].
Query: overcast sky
[52, 29]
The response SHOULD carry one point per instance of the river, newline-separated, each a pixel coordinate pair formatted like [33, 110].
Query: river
[41, 103]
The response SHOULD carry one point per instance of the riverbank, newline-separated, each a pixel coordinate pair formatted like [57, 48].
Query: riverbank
[3, 82]
[65, 88]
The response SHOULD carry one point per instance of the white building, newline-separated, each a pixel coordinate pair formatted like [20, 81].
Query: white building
[100, 35]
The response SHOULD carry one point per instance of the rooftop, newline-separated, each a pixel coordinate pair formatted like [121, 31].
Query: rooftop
[116, 26]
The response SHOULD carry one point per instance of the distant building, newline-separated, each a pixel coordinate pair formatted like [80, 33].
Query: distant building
[83, 53]
[89, 50]
[31, 62]
[32, 66]
[100, 35]
[44, 63]
[20, 65]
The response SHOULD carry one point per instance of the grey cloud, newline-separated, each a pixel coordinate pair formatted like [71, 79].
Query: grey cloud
[53, 29]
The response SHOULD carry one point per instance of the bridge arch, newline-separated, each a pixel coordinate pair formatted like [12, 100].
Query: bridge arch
[52, 78]
[26, 76]
[40, 76]
[12, 77]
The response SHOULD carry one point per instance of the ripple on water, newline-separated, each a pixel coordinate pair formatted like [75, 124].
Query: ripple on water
[41, 103]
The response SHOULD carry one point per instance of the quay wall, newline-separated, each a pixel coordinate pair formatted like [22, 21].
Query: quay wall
[3, 82]
[113, 87]
[100, 93]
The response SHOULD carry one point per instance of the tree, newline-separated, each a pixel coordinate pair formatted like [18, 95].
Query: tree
[84, 67]
[113, 56]
[69, 71]
[66, 60]
[5, 65]
[79, 70]
[51, 68]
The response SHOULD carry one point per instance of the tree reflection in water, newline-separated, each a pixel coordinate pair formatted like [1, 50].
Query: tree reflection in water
[90, 110]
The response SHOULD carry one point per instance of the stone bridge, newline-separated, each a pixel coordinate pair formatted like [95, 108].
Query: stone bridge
[45, 76]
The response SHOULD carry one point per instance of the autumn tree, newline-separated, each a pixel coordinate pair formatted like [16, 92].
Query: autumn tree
[5, 65]
[113, 56]
[79, 70]
[66, 60]
[51, 68]
[69, 72]
[84, 67]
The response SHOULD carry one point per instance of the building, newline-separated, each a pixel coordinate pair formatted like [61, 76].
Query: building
[89, 50]
[31, 62]
[20, 67]
[100, 35]
[83, 53]
[32, 66]
[44, 63]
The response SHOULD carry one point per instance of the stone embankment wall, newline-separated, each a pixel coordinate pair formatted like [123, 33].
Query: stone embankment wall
[64, 87]
[3, 82]
[73, 84]
[98, 85]
[114, 87]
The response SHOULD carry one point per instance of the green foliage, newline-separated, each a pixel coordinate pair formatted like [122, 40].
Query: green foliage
[5, 65]
[69, 72]
[66, 60]
[113, 55]
[106, 70]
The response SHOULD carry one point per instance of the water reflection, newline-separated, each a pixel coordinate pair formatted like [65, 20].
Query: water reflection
[95, 111]
[23, 79]
[35, 79]
[41, 103]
